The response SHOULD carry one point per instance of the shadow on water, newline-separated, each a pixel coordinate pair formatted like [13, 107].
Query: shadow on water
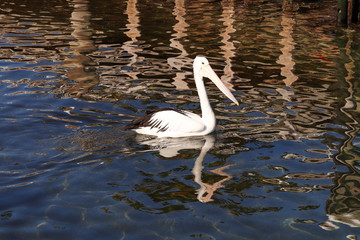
[282, 165]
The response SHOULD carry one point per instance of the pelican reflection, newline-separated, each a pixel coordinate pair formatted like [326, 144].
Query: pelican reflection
[170, 147]
[206, 190]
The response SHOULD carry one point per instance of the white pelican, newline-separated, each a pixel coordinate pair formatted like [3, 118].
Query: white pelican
[168, 122]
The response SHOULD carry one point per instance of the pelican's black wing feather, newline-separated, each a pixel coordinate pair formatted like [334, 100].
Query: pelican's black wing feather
[144, 121]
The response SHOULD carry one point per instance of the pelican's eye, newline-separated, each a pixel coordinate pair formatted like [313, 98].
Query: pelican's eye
[203, 63]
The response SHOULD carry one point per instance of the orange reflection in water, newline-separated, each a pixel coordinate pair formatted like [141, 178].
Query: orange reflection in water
[80, 64]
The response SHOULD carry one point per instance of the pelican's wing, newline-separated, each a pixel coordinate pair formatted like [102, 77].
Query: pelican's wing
[168, 120]
[177, 121]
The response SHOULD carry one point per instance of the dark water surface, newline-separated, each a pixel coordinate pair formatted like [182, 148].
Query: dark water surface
[283, 165]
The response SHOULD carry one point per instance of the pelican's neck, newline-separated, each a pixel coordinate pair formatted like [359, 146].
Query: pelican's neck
[207, 115]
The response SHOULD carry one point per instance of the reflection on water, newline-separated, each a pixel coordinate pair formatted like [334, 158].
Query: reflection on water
[131, 46]
[285, 59]
[346, 148]
[73, 73]
[228, 49]
[79, 65]
[207, 190]
[171, 148]
[178, 62]
[343, 205]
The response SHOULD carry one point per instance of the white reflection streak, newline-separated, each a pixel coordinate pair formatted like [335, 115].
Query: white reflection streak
[285, 58]
[170, 147]
[180, 32]
[133, 33]
[288, 63]
[228, 49]
[198, 167]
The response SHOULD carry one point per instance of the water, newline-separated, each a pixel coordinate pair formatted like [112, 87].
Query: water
[282, 165]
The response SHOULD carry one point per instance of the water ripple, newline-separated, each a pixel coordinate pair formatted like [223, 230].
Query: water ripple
[74, 73]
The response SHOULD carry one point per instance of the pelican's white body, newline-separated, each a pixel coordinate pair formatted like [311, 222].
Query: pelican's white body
[174, 123]
[178, 124]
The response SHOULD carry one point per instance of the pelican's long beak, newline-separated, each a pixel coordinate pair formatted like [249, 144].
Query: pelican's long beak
[209, 73]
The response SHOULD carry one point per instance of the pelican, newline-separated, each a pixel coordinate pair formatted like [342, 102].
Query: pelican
[169, 122]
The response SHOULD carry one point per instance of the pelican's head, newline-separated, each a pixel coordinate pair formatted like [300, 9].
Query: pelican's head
[202, 69]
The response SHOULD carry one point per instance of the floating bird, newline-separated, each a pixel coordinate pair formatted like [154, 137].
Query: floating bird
[169, 122]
